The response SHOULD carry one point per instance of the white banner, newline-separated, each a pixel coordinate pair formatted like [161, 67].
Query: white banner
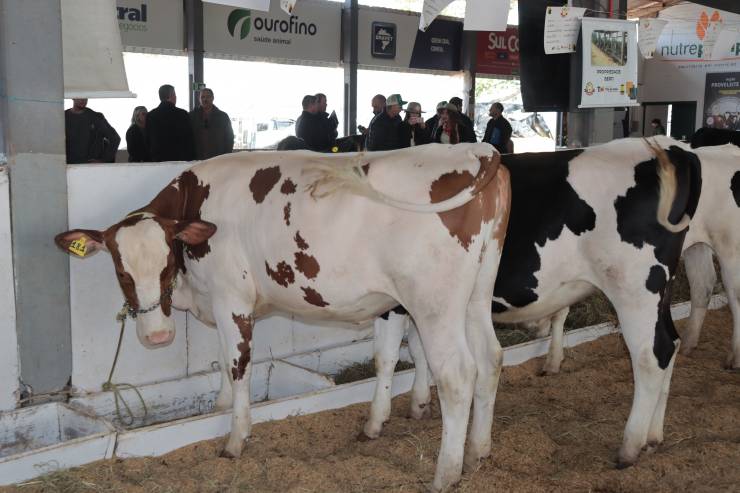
[287, 6]
[431, 9]
[609, 63]
[649, 32]
[562, 25]
[311, 33]
[693, 34]
[486, 15]
[155, 25]
[92, 54]
[263, 5]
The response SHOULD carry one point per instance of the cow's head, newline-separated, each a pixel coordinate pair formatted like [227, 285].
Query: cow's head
[145, 251]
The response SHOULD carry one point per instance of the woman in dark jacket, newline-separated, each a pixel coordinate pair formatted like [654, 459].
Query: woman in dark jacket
[451, 129]
[138, 151]
[414, 132]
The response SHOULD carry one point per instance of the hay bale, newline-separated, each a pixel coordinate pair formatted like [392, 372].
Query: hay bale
[363, 370]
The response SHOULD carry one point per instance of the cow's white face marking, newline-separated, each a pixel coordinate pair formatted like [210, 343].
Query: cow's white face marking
[144, 252]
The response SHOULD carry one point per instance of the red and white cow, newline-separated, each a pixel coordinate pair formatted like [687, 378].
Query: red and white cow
[610, 217]
[239, 236]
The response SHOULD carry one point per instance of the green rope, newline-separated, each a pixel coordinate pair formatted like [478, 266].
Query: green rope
[116, 388]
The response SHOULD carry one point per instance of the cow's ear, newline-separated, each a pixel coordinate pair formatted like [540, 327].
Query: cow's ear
[81, 242]
[194, 232]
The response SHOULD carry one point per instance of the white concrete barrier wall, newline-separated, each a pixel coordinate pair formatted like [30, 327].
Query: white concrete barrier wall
[100, 195]
[9, 366]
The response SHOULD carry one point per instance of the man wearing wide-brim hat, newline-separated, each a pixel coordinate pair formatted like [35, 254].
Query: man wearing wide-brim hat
[414, 130]
[385, 129]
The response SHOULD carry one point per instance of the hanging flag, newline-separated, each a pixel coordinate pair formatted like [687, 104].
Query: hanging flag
[263, 5]
[431, 9]
[562, 25]
[647, 35]
[287, 6]
[486, 15]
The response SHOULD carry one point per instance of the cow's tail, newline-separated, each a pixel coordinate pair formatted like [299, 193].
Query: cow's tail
[668, 183]
[332, 178]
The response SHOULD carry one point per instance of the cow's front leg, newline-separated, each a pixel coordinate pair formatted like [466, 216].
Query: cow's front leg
[388, 336]
[731, 281]
[421, 396]
[235, 325]
[555, 353]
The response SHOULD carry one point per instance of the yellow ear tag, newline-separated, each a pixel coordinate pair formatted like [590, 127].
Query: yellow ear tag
[335, 149]
[79, 247]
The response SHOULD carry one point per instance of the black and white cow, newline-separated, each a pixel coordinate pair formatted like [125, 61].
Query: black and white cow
[583, 220]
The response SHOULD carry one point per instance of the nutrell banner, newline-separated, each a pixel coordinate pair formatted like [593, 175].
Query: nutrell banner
[609, 75]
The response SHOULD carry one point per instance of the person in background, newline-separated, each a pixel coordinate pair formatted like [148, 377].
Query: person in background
[414, 131]
[385, 129]
[464, 119]
[310, 127]
[378, 104]
[169, 135]
[89, 138]
[658, 128]
[498, 130]
[211, 128]
[138, 152]
[433, 122]
[451, 129]
[330, 122]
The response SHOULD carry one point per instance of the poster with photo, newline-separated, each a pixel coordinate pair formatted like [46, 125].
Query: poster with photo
[609, 75]
[722, 101]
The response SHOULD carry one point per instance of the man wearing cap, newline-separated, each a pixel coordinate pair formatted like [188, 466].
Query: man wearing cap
[464, 120]
[385, 129]
[414, 131]
[433, 122]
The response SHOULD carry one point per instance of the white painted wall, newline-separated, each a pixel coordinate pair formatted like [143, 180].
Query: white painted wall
[98, 197]
[668, 81]
[9, 366]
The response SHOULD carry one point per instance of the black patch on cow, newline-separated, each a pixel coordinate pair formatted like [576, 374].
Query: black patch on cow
[637, 225]
[714, 137]
[497, 307]
[400, 310]
[656, 280]
[665, 332]
[543, 203]
[637, 222]
[735, 187]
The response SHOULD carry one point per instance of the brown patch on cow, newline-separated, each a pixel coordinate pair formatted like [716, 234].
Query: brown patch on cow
[245, 324]
[182, 200]
[263, 181]
[286, 214]
[464, 223]
[366, 168]
[503, 183]
[288, 187]
[128, 286]
[283, 275]
[312, 296]
[300, 241]
[307, 264]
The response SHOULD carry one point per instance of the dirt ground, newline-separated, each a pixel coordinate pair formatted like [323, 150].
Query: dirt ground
[557, 433]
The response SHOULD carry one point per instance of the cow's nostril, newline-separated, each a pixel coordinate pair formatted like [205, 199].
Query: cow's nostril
[160, 337]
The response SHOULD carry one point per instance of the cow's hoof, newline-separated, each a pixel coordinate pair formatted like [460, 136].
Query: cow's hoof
[363, 437]
[421, 411]
[732, 363]
[545, 372]
[471, 464]
[686, 350]
[624, 464]
[652, 446]
[226, 454]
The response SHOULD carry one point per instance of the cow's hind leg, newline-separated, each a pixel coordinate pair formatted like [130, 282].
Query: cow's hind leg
[731, 281]
[235, 324]
[555, 353]
[702, 278]
[652, 352]
[454, 370]
[488, 357]
[421, 397]
[388, 337]
[225, 398]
